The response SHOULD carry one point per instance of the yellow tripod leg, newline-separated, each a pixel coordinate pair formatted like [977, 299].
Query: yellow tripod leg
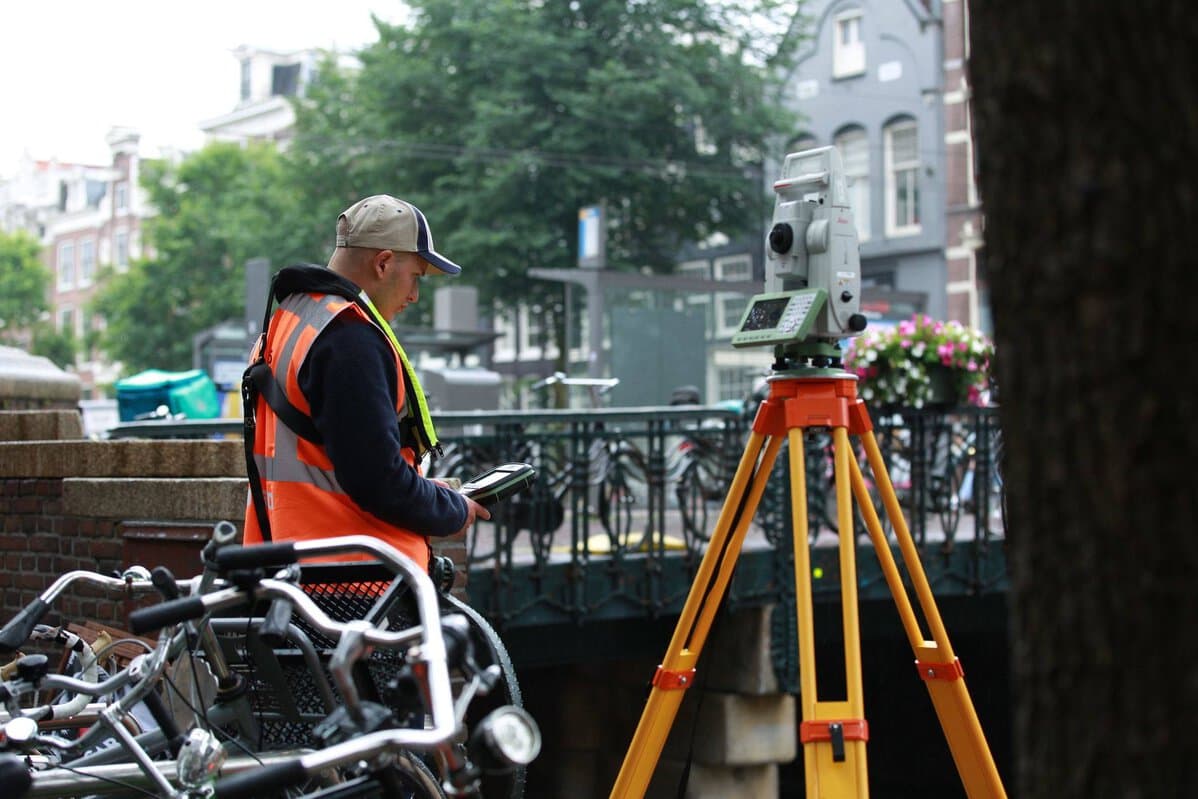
[676, 672]
[938, 666]
[833, 733]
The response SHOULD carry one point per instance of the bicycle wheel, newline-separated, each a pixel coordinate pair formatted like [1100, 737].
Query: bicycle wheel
[692, 504]
[490, 649]
[947, 498]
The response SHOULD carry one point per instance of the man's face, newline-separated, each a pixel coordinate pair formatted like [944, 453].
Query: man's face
[400, 282]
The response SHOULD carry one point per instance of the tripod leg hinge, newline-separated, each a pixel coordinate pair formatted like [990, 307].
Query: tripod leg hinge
[940, 671]
[668, 680]
[835, 731]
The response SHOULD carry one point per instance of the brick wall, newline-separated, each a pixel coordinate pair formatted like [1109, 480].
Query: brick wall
[39, 543]
[68, 503]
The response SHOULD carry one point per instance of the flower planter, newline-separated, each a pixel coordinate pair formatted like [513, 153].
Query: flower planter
[921, 363]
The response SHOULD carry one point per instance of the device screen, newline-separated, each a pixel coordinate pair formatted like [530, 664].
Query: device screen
[764, 314]
[485, 481]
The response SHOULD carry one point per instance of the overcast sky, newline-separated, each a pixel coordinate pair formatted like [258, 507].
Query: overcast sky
[72, 69]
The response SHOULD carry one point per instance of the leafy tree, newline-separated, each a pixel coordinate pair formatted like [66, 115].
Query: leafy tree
[57, 345]
[24, 283]
[217, 208]
[502, 119]
[1094, 327]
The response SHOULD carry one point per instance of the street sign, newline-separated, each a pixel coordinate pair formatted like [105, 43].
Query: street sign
[591, 237]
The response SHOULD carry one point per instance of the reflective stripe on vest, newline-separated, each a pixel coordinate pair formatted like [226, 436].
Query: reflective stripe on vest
[303, 498]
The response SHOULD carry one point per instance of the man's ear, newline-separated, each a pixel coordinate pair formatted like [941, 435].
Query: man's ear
[382, 260]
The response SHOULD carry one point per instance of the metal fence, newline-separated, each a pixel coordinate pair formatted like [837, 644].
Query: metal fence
[625, 499]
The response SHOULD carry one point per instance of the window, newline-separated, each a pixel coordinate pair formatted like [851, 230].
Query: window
[735, 382]
[246, 71]
[284, 80]
[854, 154]
[730, 305]
[120, 250]
[505, 345]
[66, 320]
[531, 332]
[66, 265]
[848, 48]
[804, 141]
[87, 261]
[902, 178]
[121, 196]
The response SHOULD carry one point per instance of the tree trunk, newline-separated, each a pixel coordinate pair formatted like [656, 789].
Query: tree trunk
[1087, 132]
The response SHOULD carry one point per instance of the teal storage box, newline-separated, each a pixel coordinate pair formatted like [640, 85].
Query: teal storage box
[190, 394]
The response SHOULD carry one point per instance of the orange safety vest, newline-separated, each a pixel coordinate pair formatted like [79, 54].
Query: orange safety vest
[303, 498]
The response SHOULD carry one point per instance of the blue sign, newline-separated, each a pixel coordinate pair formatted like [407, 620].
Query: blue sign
[591, 237]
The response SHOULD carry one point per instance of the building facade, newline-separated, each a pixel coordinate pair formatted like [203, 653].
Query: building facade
[87, 217]
[967, 293]
[868, 79]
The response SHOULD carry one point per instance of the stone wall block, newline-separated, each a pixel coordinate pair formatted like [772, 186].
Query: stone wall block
[44, 425]
[738, 730]
[737, 654]
[154, 498]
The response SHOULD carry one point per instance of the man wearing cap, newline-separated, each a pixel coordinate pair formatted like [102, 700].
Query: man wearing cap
[339, 422]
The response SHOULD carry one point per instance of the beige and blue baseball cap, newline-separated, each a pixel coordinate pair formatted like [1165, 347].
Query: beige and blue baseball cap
[382, 222]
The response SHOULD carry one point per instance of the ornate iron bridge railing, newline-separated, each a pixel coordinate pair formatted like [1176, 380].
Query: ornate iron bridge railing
[617, 521]
[625, 500]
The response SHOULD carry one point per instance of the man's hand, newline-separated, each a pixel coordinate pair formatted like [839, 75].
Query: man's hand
[474, 512]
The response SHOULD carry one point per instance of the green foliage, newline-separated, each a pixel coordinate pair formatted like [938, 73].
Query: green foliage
[24, 283]
[501, 118]
[58, 346]
[217, 208]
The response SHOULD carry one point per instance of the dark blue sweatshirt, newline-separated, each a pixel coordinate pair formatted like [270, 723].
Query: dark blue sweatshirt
[350, 382]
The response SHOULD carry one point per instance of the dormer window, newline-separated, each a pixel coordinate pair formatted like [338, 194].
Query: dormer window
[284, 80]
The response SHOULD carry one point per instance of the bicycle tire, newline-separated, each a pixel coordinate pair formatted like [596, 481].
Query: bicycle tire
[509, 784]
[692, 505]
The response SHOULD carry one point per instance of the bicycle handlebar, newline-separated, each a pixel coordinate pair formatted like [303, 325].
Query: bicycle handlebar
[165, 614]
[20, 626]
[257, 556]
[18, 629]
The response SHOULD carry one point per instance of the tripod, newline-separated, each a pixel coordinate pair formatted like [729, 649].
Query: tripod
[833, 733]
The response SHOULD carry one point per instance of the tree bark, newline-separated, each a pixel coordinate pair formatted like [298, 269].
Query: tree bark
[1087, 137]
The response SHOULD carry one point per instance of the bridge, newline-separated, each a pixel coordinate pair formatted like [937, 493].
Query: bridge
[584, 576]
[616, 525]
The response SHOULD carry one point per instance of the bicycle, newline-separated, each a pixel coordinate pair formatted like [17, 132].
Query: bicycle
[50, 767]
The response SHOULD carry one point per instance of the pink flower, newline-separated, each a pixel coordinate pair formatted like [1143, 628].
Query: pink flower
[975, 395]
[972, 365]
[905, 343]
[962, 346]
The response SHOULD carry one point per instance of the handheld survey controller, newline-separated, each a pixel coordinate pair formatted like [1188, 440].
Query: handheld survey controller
[813, 263]
[499, 483]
